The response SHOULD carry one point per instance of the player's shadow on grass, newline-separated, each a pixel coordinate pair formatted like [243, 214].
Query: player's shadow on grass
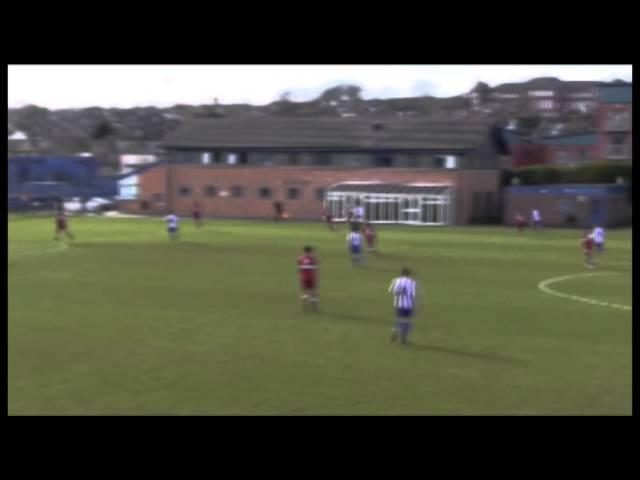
[491, 357]
[465, 353]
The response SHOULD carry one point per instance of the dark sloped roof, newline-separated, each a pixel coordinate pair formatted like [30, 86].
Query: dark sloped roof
[139, 170]
[537, 83]
[586, 138]
[349, 133]
[393, 188]
[580, 84]
[545, 83]
[616, 93]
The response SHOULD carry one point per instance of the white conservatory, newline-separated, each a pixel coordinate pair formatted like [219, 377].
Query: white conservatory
[414, 204]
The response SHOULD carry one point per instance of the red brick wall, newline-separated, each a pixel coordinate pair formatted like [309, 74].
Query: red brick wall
[470, 182]
[530, 154]
[279, 179]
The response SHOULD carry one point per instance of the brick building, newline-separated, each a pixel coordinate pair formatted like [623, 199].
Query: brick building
[614, 119]
[548, 96]
[239, 167]
[571, 149]
[611, 141]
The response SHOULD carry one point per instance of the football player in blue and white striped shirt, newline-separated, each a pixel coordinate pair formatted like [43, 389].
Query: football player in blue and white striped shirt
[172, 225]
[403, 290]
[354, 240]
[598, 238]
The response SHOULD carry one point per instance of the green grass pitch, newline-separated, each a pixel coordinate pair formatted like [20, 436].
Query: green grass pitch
[123, 321]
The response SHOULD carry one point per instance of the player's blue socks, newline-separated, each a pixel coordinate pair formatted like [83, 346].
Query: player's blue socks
[404, 328]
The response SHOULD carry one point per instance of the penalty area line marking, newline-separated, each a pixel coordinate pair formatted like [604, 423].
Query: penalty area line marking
[544, 286]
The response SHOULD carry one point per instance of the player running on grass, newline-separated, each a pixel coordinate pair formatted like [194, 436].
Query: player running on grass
[587, 247]
[536, 219]
[598, 239]
[196, 213]
[354, 240]
[520, 222]
[62, 226]
[172, 225]
[403, 290]
[328, 218]
[308, 270]
[370, 236]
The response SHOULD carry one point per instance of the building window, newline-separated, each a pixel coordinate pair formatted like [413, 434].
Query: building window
[618, 138]
[232, 158]
[322, 159]
[541, 93]
[543, 104]
[320, 194]
[414, 161]
[187, 157]
[206, 158]
[293, 193]
[211, 191]
[618, 120]
[184, 191]
[237, 191]
[264, 192]
[128, 188]
[243, 158]
[261, 159]
[383, 161]
[157, 198]
[451, 161]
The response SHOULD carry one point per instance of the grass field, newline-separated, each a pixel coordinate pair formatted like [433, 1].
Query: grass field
[125, 322]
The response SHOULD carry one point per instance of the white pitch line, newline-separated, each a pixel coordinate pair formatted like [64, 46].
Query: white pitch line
[543, 286]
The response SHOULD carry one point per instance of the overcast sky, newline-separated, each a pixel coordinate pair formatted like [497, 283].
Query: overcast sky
[77, 86]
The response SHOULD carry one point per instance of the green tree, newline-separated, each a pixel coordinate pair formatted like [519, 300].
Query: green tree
[103, 131]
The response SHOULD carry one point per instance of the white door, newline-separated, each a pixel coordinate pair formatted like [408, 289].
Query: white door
[413, 211]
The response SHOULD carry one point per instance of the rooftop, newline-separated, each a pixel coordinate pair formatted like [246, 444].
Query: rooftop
[390, 188]
[348, 133]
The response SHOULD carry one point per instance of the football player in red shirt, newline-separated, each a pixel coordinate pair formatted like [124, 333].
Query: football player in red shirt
[587, 247]
[62, 226]
[520, 222]
[370, 237]
[328, 218]
[308, 267]
[196, 213]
